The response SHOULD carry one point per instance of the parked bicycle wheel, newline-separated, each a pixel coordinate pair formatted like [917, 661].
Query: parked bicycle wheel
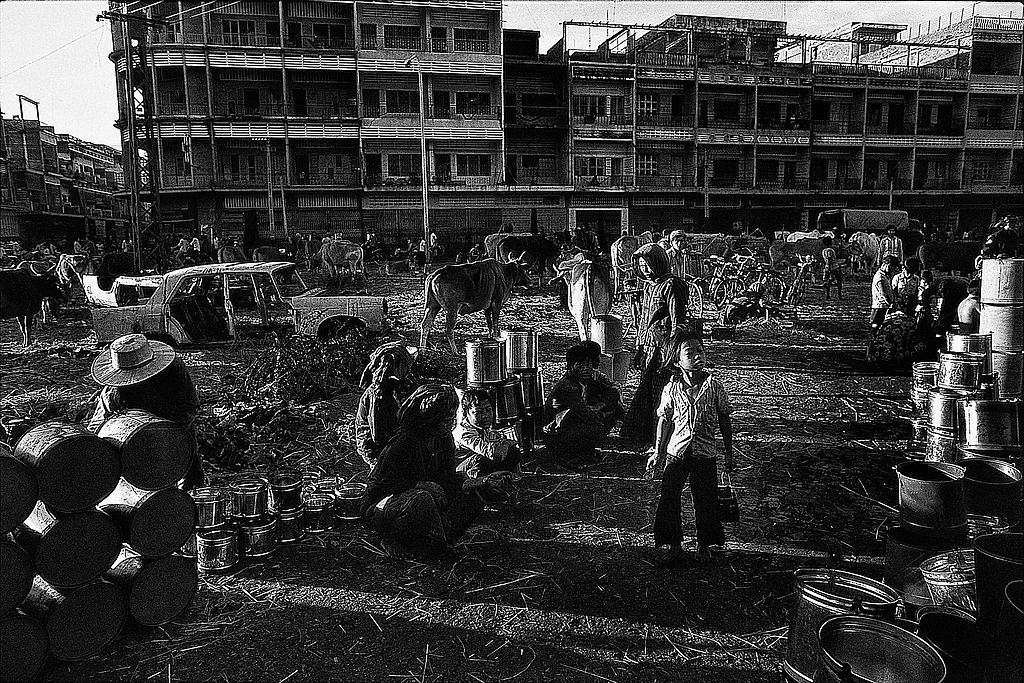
[694, 301]
[726, 290]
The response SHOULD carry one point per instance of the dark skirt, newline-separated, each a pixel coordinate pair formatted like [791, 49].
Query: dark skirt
[641, 421]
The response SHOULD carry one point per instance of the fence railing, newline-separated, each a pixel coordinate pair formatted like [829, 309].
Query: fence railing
[470, 45]
[780, 184]
[327, 111]
[339, 178]
[448, 180]
[668, 180]
[620, 180]
[521, 180]
[783, 124]
[835, 183]
[240, 109]
[839, 126]
[196, 108]
[603, 120]
[378, 180]
[401, 43]
[664, 120]
[663, 59]
[464, 113]
[725, 124]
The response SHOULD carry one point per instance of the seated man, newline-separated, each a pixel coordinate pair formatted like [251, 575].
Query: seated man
[968, 313]
[580, 410]
[481, 448]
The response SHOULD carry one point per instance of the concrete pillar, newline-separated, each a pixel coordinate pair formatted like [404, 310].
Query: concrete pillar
[572, 220]
[624, 227]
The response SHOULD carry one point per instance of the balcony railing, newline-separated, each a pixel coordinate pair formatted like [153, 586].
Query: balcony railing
[329, 179]
[839, 126]
[953, 128]
[889, 128]
[368, 41]
[448, 180]
[780, 183]
[884, 183]
[312, 42]
[835, 183]
[239, 109]
[408, 44]
[619, 180]
[196, 108]
[472, 45]
[173, 181]
[657, 120]
[936, 184]
[665, 180]
[534, 117]
[664, 59]
[257, 180]
[989, 125]
[603, 120]
[464, 113]
[725, 124]
[439, 45]
[729, 181]
[327, 111]
[378, 180]
[243, 39]
[989, 184]
[934, 73]
[241, 180]
[523, 180]
[781, 124]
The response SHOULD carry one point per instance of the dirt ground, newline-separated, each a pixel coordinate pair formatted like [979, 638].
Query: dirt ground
[561, 581]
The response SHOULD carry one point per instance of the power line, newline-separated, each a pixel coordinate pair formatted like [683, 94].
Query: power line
[51, 52]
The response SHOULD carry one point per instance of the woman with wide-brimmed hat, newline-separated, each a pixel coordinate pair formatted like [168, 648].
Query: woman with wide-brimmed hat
[144, 374]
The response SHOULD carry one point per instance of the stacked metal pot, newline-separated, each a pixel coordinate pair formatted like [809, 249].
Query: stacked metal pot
[1002, 316]
[507, 368]
[93, 537]
[607, 331]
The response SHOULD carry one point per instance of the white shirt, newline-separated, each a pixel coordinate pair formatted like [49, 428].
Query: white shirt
[694, 414]
[881, 290]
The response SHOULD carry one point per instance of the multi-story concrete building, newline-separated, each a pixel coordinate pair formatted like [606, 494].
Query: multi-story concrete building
[56, 186]
[313, 115]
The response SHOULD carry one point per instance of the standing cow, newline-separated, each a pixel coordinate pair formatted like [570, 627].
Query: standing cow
[22, 295]
[468, 288]
[590, 290]
[335, 254]
[530, 250]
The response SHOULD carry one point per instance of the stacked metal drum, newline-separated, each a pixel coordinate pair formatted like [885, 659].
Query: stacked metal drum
[508, 370]
[606, 330]
[1002, 317]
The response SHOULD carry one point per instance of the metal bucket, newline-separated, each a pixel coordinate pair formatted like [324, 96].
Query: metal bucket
[616, 365]
[485, 360]
[532, 387]
[904, 552]
[249, 499]
[960, 371]
[217, 549]
[992, 487]
[950, 579]
[606, 330]
[1005, 663]
[955, 638]
[825, 593]
[290, 525]
[1002, 280]
[919, 401]
[347, 501]
[286, 489]
[189, 549]
[924, 373]
[998, 560]
[258, 537]
[944, 409]
[507, 401]
[211, 507]
[1009, 369]
[991, 423]
[521, 348]
[1005, 324]
[931, 498]
[1010, 454]
[866, 650]
[940, 445]
[982, 525]
[319, 515]
[980, 344]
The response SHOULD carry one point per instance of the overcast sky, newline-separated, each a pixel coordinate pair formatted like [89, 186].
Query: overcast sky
[55, 51]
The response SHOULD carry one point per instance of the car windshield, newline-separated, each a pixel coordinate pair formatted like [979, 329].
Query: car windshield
[289, 282]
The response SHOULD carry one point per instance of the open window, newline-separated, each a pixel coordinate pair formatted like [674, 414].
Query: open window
[198, 306]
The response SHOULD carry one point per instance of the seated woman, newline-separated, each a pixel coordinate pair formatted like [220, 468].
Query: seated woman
[581, 411]
[377, 412]
[415, 500]
[481, 448]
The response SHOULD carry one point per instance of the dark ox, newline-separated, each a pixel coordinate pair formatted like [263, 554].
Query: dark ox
[112, 265]
[468, 288]
[947, 257]
[530, 250]
[21, 297]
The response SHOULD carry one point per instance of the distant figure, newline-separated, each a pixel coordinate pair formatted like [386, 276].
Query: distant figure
[677, 252]
[831, 272]
[968, 313]
[882, 298]
[890, 245]
[906, 286]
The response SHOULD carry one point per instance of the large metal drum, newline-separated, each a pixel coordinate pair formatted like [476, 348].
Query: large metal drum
[960, 371]
[485, 360]
[249, 498]
[971, 343]
[998, 560]
[606, 330]
[874, 651]
[904, 552]
[991, 423]
[531, 385]
[1010, 454]
[155, 453]
[944, 409]
[924, 373]
[1009, 369]
[616, 365]
[507, 400]
[931, 498]
[257, 537]
[286, 489]
[211, 507]
[521, 348]
[1005, 324]
[1002, 281]
[825, 593]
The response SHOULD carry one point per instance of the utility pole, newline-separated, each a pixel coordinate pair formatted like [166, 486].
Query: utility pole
[424, 163]
[140, 175]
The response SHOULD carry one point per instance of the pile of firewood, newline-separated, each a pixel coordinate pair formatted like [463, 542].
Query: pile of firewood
[90, 527]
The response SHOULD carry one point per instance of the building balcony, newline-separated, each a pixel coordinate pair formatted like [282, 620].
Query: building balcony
[535, 117]
[328, 179]
[664, 59]
[239, 110]
[991, 185]
[936, 184]
[885, 183]
[378, 181]
[465, 45]
[990, 125]
[843, 127]
[835, 183]
[665, 180]
[194, 108]
[724, 124]
[465, 113]
[728, 181]
[325, 111]
[955, 128]
[780, 124]
[480, 182]
[888, 129]
[602, 181]
[656, 120]
[781, 184]
[526, 181]
[395, 43]
[603, 120]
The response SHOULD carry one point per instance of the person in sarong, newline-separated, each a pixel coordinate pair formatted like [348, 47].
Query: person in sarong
[662, 313]
[415, 501]
[377, 413]
[580, 411]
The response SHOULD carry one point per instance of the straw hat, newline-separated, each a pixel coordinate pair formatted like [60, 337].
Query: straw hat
[130, 360]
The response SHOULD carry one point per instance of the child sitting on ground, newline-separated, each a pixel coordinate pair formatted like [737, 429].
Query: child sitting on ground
[691, 403]
[481, 448]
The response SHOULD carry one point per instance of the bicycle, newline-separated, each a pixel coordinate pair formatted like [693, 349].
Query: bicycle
[797, 289]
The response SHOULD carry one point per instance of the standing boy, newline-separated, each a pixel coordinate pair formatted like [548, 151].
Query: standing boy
[691, 404]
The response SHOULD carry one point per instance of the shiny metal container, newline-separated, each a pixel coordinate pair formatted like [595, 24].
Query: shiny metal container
[485, 360]
[522, 348]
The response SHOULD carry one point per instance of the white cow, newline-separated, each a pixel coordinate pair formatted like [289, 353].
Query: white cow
[866, 244]
[590, 290]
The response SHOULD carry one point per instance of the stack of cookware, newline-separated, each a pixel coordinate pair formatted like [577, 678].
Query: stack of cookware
[606, 330]
[923, 383]
[1002, 316]
[507, 370]
[958, 375]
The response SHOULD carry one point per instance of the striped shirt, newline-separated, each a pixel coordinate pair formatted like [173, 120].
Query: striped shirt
[694, 414]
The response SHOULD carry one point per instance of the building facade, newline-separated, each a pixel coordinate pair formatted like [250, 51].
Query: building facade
[313, 116]
[56, 186]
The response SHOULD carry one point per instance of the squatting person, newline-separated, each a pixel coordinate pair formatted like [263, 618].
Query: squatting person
[691, 404]
[481, 448]
[580, 410]
[377, 413]
[144, 374]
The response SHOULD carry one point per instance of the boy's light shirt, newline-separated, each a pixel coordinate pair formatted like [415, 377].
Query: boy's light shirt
[694, 415]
